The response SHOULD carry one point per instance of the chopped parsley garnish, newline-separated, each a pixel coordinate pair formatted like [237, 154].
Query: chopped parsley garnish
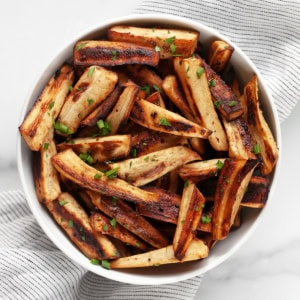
[256, 149]
[170, 40]
[51, 105]
[113, 223]
[97, 176]
[114, 54]
[212, 82]
[164, 122]
[217, 103]
[80, 46]
[91, 71]
[146, 89]
[90, 101]
[104, 127]
[186, 184]
[46, 146]
[104, 227]
[114, 200]
[173, 48]
[220, 165]
[205, 219]
[156, 88]
[86, 157]
[232, 103]
[105, 264]
[62, 202]
[111, 173]
[200, 71]
[70, 223]
[62, 128]
[70, 88]
[133, 152]
[95, 261]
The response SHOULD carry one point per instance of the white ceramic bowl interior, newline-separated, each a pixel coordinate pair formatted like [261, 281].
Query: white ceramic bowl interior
[163, 274]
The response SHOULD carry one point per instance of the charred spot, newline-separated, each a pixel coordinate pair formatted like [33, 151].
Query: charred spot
[153, 115]
[78, 231]
[79, 90]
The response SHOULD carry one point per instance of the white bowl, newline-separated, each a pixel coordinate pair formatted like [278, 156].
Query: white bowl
[169, 273]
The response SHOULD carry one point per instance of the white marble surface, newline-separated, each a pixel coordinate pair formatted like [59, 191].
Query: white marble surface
[32, 32]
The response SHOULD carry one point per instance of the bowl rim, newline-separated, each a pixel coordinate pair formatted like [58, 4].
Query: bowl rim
[119, 275]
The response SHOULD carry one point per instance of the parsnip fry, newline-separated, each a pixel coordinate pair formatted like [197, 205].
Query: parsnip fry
[201, 170]
[72, 167]
[232, 183]
[168, 42]
[121, 111]
[128, 218]
[40, 118]
[157, 118]
[100, 149]
[188, 219]
[266, 146]
[75, 222]
[46, 179]
[108, 53]
[257, 192]
[195, 85]
[223, 97]
[239, 138]
[101, 111]
[197, 250]
[147, 168]
[100, 223]
[219, 55]
[94, 85]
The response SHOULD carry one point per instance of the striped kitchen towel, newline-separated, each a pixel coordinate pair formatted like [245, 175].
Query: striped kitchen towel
[31, 267]
[267, 31]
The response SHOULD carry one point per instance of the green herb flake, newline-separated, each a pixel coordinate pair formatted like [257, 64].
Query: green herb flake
[46, 146]
[62, 202]
[256, 149]
[197, 208]
[200, 71]
[205, 219]
[164, 122]
[83, 237]
[158, 89]
[95, 261]
[113, 223]
[137, 244]
[104, 227]
[105, 264]
[111, 173]
[182, 221]
[70, 88]
[146, 158]
[97, 176]
[186, 184]
[114, 200]
[212, 82]
[61, 128]
[146, 89]
[153, 29]
[51, 105]
[217, 103]
[86, 157]
[133, 152]
[90, 101]
[173, 48]
[170, 40]
[80, 46]
[91, 71]
[232, 103]
[104, 127]
[220, 165]
[70, 223]
[114, 54]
